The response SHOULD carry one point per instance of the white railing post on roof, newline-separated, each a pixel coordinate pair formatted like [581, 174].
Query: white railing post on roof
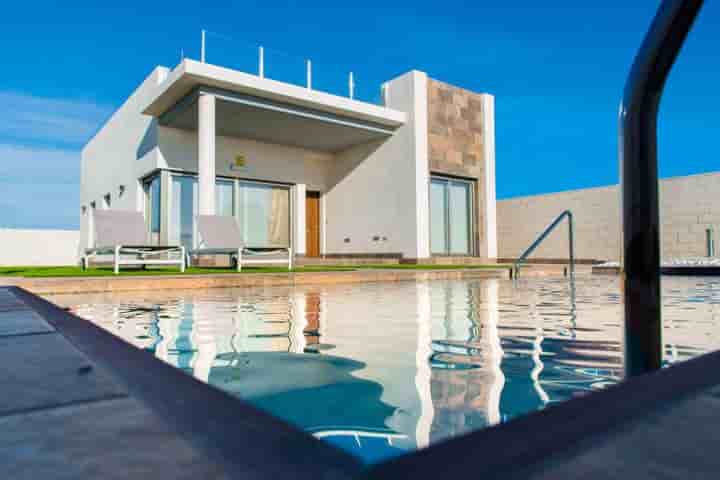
[385, 94]
[351, 86]
[309, 75]
[261, 65]
[202, 45]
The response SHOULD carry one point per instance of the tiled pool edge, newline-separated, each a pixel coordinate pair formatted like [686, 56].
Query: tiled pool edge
[113, 405]
[59, 285]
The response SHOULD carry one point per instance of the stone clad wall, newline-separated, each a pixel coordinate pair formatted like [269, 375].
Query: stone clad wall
[688, 206]
[455, 140]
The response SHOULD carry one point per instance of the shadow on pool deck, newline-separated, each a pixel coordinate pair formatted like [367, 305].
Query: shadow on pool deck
[81, 403]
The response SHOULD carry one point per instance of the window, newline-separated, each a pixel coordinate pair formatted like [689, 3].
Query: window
[451, 216]
[264, 214]
[151, 187]
[184, 208]
[224, 197]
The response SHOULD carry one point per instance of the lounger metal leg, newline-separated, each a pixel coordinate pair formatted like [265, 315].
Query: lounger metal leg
[290, 259]
[116, 260]
[239, 260]
[182, 259]
[84, 262]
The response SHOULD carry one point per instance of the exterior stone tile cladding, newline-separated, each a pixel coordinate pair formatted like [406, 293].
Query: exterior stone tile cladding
[455, 139]
[688, 207]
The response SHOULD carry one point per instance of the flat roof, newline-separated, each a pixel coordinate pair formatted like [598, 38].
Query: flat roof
[190, 75]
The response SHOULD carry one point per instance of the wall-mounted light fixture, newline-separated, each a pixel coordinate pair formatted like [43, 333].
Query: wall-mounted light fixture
[121, 190]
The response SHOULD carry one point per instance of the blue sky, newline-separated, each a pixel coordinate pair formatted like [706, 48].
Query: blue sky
[557, 69]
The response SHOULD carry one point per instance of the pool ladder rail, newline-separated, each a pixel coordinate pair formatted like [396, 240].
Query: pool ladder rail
[548, 230]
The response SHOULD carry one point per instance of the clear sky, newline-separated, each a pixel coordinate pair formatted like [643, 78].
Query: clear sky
[557, 69]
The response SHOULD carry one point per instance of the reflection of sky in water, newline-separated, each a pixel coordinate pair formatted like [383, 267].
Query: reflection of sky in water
[382, 368]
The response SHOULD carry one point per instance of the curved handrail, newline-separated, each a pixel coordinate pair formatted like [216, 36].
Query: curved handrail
[639, 181]
[571, 243]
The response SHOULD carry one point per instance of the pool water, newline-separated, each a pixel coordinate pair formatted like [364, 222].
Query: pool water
[383, 368]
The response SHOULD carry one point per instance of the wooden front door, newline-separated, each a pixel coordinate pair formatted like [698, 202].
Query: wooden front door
[312, 224]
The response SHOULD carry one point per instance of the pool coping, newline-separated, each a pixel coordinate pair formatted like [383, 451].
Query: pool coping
[60, 285]
[677, 270]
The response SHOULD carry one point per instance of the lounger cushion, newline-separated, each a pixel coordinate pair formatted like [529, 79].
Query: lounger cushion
[216, 231]
[119, 227]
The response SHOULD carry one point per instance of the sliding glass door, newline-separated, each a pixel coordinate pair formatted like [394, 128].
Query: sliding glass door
[184, 207]
[263, 211]
[451, 216]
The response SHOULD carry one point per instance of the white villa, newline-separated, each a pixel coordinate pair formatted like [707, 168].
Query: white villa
[323, 174]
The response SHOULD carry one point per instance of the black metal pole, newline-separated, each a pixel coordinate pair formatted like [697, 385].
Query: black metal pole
[639, 181]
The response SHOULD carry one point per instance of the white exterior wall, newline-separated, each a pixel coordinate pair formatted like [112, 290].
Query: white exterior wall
[380, 189]
[38, 247]
[488, 241]
[120, 153]
[264, 161]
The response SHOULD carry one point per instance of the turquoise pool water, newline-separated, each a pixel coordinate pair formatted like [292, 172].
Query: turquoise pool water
[384, 368]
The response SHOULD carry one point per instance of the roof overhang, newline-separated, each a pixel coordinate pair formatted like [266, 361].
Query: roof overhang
[252, 107]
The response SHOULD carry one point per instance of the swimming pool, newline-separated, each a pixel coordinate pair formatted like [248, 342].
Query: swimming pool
[382, 368]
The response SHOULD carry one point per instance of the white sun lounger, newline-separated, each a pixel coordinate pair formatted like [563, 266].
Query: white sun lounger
[123, 234]
[220, 235]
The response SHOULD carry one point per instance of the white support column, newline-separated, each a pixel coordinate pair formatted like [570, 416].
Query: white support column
[206, 154]
[488, 244]
[299, 224]
[421, 167]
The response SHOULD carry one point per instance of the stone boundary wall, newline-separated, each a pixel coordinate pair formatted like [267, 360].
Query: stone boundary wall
[30, 248]
[688, 206]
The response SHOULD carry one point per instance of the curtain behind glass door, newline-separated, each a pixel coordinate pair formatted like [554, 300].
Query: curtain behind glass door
[264, 215]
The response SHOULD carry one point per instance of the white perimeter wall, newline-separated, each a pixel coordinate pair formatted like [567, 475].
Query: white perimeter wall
[380, 189]
[688, 206]
[38, 247]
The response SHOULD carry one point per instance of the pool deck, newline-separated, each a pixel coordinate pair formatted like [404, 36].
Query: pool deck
[79, 402]
[59, 285]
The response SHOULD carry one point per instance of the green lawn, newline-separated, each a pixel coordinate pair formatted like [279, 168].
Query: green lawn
[108, 272]
[73, 271]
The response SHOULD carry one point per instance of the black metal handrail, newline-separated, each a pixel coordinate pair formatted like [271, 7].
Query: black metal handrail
[639, 182]
[571, 243]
